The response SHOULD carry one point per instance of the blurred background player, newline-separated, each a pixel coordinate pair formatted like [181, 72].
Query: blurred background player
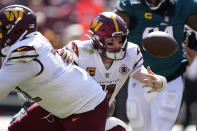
[143, 17]
[190, 46]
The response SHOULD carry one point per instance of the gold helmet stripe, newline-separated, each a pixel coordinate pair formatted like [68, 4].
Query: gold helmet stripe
[116, 24]
[93, 23]
[98, 26]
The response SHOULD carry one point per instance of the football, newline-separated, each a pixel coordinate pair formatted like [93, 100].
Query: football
[160, 44]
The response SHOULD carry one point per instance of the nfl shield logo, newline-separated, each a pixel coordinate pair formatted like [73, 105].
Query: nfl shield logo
[106, 75]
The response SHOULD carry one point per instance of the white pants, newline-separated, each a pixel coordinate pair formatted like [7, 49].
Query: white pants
[155, 111]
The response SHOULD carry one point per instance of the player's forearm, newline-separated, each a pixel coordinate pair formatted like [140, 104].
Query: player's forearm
[140, 75]
[149, 79]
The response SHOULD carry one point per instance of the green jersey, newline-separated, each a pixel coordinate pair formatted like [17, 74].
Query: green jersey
[148, 21]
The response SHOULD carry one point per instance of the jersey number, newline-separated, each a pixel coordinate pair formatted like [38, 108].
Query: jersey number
[109, 89]
[168, 29]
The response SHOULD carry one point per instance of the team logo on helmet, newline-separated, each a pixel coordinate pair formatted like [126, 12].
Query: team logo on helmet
[14, 14]
[16, 22]
[96, 24]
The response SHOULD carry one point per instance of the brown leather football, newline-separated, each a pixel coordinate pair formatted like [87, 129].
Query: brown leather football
[160, 44]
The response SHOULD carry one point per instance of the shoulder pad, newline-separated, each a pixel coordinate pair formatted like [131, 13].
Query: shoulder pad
[132, 46]
[23, 54]
[133, 50]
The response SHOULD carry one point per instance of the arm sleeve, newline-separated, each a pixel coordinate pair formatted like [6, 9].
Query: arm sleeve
[140, 74]
[15, 73]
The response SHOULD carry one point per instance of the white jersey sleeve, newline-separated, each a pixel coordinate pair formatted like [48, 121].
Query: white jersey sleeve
[135, 54]
[139, 59]
[15, 73]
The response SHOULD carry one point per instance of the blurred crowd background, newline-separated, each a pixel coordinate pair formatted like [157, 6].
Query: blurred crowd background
[64, 20]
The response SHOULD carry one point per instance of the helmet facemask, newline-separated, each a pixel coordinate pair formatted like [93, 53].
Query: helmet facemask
[113, 53]
[154, 6]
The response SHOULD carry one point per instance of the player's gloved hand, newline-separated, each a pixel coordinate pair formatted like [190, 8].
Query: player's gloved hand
[66, 55]
[156, 82]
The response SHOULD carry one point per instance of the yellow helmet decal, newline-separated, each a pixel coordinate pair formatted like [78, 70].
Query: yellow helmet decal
[116, 24]
[14, 14]
[95, 25]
